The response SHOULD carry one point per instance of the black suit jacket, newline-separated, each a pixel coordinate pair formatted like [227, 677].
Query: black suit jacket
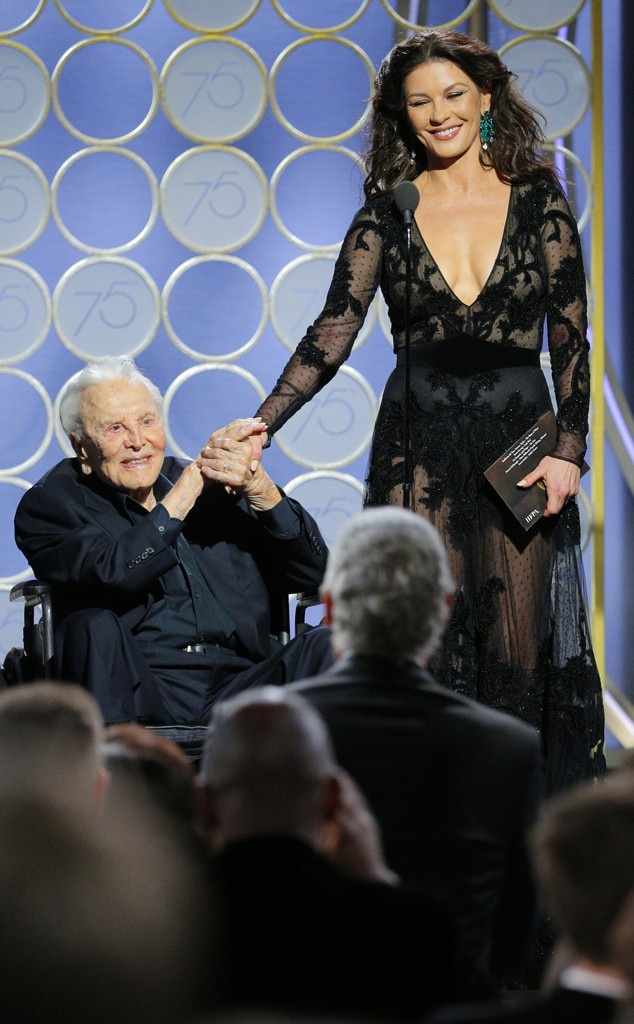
[562, 1006]
[296, 935]
[454, 786]
[76, 534]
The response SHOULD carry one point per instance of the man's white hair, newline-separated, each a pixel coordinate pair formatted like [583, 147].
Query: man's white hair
[98, 372]
[389, 580]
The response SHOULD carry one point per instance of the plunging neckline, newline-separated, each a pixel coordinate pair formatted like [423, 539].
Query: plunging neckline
[470, 305]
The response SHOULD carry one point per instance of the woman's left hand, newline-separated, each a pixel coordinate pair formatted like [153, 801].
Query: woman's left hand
[560, 478]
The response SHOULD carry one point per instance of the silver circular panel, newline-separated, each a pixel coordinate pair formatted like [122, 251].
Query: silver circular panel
[212, 15]
[24, 202]
[331, 498]
[553, 77]
[214, 198]
[298, 294]
[111, 17]
[335, 427]
[106, 306]
[25, 311]
[25, 93]
[438, 13]
[321, 15]
[536, 17]
[214, 90]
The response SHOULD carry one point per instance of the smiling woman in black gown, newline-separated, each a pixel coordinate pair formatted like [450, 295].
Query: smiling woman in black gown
[495, 256]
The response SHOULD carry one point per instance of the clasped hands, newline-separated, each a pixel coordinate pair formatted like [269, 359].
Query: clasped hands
[232, 457]
[560, 478]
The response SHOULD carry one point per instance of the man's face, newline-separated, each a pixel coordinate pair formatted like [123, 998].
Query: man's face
[124, 439]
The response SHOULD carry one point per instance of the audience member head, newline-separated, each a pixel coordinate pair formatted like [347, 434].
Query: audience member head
[268, 767]
[102, 917]
[387, 587]
[583, 850]
[151, 765]
[50, 743]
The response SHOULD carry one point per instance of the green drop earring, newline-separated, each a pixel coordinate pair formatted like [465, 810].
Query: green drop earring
[487, 130]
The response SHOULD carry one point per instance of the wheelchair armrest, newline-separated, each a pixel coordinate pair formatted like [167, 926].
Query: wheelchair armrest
[38, 637]
[307, 599]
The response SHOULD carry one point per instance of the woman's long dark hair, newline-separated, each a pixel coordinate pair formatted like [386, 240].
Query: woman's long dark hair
[516, 150]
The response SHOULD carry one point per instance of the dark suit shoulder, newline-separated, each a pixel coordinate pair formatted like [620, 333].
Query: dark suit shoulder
[371, 682]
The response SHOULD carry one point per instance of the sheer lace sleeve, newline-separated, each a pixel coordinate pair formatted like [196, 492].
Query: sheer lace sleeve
[567, 324]
[328, 342]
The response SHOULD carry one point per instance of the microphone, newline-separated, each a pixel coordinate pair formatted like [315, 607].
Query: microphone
[406, 198]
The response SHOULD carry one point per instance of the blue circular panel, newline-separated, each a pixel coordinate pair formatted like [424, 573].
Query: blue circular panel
[314, 194]
[94, 94]
[230, 301]
[225, 393]
[104, 199]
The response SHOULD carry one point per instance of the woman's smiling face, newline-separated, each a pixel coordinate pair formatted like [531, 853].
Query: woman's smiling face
[444, 107]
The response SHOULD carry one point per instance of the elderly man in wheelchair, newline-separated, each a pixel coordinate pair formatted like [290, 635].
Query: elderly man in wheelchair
[163, 573]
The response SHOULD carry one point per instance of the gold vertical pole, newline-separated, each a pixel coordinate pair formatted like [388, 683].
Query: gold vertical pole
[598, 346]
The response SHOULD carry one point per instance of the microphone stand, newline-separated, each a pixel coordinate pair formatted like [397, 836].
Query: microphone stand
[407, 430]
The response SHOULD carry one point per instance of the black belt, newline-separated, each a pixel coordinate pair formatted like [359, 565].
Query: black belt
[463, 356]
[208, 649]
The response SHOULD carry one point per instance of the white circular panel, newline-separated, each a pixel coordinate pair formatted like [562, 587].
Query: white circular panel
[25, 311]
[212, 15]
[26, 421]
[321, 16]
[24, 202]
[107, 16]
[323, 173]
[331, 498]
[105, 177]
[230, 299]
[227, 392]
[16, 15]
[335, 427]
[92, 94]
[537, 17]
[106, 306]
[214, 197]
[553, 77]
[13, 571]
[24, 93]
[302, 96]
[298, 295]
[214, 90]
[436, 13]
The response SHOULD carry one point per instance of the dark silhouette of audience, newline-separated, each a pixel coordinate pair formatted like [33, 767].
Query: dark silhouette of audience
[454, 785]
[311, 919]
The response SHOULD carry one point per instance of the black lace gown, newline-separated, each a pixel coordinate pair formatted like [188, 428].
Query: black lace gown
[519, 635]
